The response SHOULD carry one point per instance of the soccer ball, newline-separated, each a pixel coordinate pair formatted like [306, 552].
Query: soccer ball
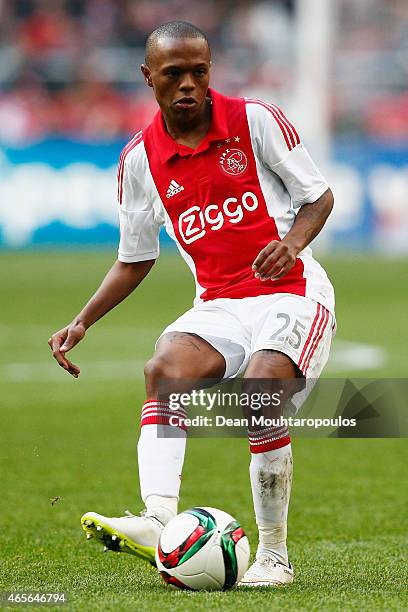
[202, 549]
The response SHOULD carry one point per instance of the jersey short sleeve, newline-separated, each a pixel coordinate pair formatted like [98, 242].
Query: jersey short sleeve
[138, 219]
[278, 145]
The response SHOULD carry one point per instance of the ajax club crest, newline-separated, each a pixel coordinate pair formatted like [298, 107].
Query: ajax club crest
[233, 161]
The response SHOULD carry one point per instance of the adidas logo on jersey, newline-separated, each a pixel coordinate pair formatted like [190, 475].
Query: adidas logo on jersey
[173, 189]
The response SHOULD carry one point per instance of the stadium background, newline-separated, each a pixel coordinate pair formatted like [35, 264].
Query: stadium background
[71, 95]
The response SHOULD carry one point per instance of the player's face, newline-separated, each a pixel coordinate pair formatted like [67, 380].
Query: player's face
[178, 72]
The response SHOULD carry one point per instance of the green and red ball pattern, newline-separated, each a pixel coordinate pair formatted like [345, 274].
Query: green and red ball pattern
[196, 540]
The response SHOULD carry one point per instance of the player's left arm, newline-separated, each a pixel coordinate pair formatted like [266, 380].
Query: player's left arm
[279, 149]
[279, 256]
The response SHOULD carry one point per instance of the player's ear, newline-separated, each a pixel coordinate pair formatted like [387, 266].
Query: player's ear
[147, 75]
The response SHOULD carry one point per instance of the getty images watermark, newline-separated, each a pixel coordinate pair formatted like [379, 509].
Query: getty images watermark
[252, 402]
[207, 399]
[334, 408]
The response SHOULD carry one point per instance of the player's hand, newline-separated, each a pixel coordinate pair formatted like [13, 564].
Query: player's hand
[63, 341]
[275, 260]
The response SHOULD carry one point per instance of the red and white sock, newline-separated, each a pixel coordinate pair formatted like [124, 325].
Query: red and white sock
[161, 449]
[271, 480]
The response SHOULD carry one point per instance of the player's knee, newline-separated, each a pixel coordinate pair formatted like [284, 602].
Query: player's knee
[271, 364]
[158, 368]
[154, 369]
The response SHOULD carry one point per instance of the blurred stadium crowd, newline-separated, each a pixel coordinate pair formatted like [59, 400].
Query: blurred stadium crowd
[71, 67]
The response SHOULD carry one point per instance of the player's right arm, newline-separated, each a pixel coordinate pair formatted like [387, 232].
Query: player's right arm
[119, 282]
[140, 220]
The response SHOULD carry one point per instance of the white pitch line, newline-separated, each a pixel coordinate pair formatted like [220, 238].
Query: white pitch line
[47, 330]
[345, 356]
[25, 372]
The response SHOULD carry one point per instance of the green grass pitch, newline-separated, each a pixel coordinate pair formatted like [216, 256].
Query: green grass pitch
[76, 439]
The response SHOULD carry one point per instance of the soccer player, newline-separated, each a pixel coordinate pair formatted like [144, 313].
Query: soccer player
[239, 194]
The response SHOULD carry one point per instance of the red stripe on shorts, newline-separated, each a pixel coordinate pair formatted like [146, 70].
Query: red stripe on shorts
[319, 336]
[310, 336]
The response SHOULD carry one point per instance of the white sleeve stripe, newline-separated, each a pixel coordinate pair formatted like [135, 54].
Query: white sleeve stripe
[121, 166]
[126, 147]
[290, 134]
[284, 129]
[294, 136]
[287, 122]
[288, 131]
[122, 158]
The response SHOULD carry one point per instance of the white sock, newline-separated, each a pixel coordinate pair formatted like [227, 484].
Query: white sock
[271, 479]
[163, 508]
[161, 449]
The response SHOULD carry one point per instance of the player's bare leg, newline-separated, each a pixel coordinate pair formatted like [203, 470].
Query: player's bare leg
[178, 357]
[271, 476]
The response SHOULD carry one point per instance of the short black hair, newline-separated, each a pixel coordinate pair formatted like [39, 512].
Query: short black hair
[172, 29]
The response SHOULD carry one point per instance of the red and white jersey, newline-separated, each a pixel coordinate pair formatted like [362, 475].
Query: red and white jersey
[224, 201]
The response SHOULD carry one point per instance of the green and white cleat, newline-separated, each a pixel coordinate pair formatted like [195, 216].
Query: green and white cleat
[136, 535]
[265, 571]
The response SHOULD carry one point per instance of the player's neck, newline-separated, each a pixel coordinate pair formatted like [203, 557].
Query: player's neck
[192, 133]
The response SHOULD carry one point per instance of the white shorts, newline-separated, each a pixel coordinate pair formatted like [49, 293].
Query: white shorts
[295, 325]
